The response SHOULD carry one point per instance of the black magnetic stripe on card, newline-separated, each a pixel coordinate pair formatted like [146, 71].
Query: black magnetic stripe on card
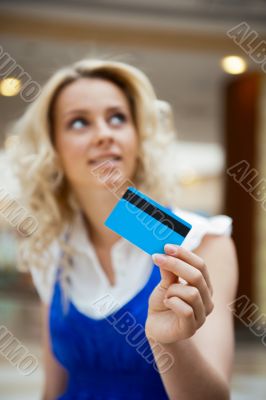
[156, 213]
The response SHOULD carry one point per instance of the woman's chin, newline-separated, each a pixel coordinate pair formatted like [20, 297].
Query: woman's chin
[112, 183]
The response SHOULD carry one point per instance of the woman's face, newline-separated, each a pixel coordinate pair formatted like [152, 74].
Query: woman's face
[93, 125]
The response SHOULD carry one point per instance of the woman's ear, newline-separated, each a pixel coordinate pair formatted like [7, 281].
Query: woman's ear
[57, 173]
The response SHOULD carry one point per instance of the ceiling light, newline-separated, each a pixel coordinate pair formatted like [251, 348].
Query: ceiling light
[234, 65]
[10, 86]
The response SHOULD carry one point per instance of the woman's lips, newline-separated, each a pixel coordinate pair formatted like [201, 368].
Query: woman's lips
[105, 159]
[106, 163]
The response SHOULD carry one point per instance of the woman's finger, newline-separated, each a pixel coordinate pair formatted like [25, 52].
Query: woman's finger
[190, 258]
[192, 297]
[167, 278]
[185, 314]
[187, 272]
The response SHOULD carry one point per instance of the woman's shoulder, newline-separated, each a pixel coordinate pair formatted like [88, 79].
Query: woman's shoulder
[203, 224]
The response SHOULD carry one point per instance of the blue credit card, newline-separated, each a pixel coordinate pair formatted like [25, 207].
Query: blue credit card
[146, 223]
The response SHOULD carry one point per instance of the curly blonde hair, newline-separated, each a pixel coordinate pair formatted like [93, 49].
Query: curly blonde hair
[45, 191]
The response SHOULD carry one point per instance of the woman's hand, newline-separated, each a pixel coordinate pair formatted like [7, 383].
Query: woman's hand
[178, 309]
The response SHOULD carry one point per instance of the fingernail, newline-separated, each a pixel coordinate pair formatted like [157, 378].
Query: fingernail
[170, 248]
[158, 258]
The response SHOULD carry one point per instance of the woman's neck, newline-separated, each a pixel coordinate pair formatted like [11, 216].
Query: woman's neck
[96, 205]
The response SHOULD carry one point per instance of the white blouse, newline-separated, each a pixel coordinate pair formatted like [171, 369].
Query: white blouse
[132, 266]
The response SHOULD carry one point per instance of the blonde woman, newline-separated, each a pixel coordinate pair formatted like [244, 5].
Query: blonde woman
[118, 324]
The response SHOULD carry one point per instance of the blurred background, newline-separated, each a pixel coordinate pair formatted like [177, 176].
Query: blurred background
[208, 59]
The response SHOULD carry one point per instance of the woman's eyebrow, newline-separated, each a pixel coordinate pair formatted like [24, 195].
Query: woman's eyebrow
[115, 108]
[87, 111]
[77, 111]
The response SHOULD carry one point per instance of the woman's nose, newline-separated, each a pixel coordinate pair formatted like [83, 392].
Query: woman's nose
[103, 132]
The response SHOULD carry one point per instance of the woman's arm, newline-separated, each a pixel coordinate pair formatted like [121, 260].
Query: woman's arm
[55, 374]
[203, 362]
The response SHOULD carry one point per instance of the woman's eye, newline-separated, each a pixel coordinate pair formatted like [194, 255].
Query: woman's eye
[78, 123]
[118, 119]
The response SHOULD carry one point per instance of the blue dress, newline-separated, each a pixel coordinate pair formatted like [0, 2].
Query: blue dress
[108, 358]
